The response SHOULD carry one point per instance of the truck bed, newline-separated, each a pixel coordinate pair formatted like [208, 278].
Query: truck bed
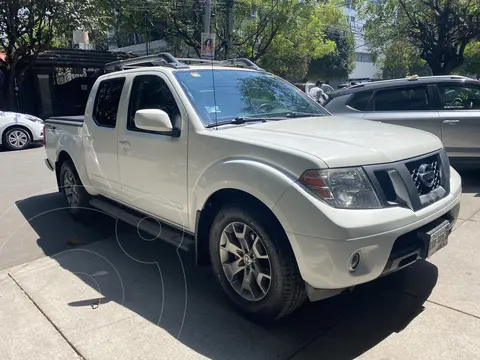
[66, 120]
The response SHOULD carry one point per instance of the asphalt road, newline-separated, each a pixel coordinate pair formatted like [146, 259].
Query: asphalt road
[156, 305]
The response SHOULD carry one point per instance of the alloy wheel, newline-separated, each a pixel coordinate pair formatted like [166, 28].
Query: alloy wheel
[245, 261]
[70, 188]
[18, 139]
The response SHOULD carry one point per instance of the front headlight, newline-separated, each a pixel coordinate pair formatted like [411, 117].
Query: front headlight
[33, 118]
[347, 188]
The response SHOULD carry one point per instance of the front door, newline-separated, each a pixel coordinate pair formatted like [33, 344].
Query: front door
[460, 116]
[410, 106]
[100, 138]
[153, 166]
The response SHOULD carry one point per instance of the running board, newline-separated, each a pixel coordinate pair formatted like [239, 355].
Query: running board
[166, 233]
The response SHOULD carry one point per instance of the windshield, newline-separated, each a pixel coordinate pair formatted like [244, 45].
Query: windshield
[224, 94]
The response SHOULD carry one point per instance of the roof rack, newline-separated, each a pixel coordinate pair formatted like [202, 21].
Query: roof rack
[161, 59]
[240, 62]
[168, 60]
[243, 61]
[197, 61]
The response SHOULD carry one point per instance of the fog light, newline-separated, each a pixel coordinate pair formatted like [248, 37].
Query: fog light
[354, 262]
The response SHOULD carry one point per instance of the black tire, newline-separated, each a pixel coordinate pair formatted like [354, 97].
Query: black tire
[80, 205]
[23, 137]
[287, 288]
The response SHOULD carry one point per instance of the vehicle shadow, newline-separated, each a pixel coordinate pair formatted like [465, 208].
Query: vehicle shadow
[164, 287]
[470, 178]
[32, 146]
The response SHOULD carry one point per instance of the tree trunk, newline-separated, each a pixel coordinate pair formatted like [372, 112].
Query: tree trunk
[8, 91]
[437, 68]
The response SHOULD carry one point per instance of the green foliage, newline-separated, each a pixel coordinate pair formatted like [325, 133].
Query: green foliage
[400, 60]
[264, 31]
[300, 40]
[471, 66]
[439, 30]
[340, 62]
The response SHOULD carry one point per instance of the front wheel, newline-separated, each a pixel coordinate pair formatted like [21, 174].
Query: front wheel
[17, 138]
[254, 263]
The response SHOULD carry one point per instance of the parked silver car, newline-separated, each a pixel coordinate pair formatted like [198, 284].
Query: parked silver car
[447, 106]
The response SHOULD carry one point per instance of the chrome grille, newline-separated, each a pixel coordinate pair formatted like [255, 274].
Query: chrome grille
[426, 174]
[415, 183]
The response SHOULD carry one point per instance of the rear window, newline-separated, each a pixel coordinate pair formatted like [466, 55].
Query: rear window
[106, 102]
[359, 101]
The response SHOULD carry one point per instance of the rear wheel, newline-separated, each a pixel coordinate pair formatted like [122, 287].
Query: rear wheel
[17, 138]
[254, 263]
[72, 189]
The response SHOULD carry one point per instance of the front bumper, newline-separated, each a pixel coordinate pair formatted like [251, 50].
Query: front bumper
[324, 239]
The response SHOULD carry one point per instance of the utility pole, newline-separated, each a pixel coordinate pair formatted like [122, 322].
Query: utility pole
[208, 15]
[147, 37]
[228, 49]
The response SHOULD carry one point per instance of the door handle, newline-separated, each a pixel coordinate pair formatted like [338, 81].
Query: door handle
[125, 144]
[451, 122]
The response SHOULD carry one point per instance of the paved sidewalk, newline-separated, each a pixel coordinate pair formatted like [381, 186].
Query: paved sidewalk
[112, 302]
[25, 332]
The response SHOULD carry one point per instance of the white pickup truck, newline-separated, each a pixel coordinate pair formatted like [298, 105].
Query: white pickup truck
[284, 200]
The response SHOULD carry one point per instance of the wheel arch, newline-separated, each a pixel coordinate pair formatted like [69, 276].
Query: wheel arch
[205, 217]
[61, 158]
[64, 155]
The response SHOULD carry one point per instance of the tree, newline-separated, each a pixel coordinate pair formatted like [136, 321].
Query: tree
[400, 60]
[439, 29]
[471, 65]
[29, 27]
[295, 37]
[339, 63]
[264, 31]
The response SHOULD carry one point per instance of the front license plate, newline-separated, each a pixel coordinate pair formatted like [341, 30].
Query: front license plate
[438, 239]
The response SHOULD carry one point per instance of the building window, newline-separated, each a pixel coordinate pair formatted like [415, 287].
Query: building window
[363, 57]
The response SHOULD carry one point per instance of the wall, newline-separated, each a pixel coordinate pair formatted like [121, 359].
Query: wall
[140, 49]
[363, 69]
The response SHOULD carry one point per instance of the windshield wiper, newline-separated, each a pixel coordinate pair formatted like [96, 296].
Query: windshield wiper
[295, 114]
[238, 121]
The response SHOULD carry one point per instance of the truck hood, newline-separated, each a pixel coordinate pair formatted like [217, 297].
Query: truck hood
[339, 141]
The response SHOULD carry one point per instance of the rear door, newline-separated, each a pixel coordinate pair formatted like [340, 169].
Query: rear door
[412, 106]
[100, 137]
[460, 115]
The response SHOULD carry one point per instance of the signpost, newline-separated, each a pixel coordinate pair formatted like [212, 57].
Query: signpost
[208, 46]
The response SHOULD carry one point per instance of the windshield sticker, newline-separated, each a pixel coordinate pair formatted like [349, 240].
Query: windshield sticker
[195, 74]
[212, 109]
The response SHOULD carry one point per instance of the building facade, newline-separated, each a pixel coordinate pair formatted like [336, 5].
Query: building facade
[365, 69]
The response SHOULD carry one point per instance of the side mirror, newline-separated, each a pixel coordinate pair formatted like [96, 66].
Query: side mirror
[153, 120]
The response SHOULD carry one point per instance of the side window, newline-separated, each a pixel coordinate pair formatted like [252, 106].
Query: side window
[405, 98]
[359, 101]
[151, 92]
[106, 102]
[459, 96]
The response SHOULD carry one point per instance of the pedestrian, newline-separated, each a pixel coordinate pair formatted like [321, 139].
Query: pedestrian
[318, 94]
